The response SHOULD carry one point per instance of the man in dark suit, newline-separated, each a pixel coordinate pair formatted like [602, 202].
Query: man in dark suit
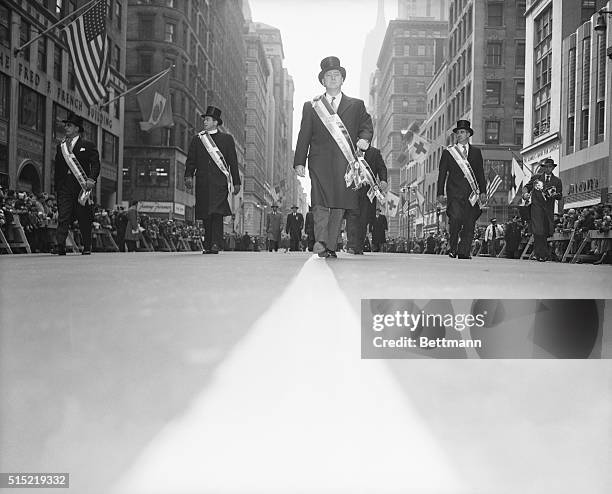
[213, 177]
[544, 188]
[462, 187]
[327, 163]
[295, 223]
[309, 229]
[68, 188]
[357, 220]
[379, 231]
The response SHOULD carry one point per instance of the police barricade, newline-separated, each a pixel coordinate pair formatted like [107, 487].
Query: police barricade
[4, 245]
[16, 237]
[103, 241]
[589, 236]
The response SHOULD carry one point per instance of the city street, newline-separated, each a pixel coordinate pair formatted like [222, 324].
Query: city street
[178, 373]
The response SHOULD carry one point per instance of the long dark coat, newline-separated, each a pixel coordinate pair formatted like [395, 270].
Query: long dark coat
[326, 163]
[211, 184]
[294, 224]
[542, 210]
[379, 169]
[132, 224]
[274, 226]
[379, 227]
[458, 190]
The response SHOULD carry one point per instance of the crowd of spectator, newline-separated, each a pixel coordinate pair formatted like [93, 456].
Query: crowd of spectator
[37, 215]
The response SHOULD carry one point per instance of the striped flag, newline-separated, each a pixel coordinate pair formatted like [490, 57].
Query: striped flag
[493, 185]
[88, 46]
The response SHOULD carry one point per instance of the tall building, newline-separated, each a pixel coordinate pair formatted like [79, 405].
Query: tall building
[371, 48]
[486, 85]
[586, 90]
[562, 122]
[410, 52]
[409, 9]
[203, 41]
[38, 87]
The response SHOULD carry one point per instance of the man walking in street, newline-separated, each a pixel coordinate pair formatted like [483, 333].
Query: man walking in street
[295, 223]
[273, 229]
[544, 188]
[379, 231]
[212, 158]
[493, 235]
[77, 166]
[333, 125]
[461, 186]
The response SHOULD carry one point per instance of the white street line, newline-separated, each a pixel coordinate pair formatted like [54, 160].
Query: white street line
[294, 409]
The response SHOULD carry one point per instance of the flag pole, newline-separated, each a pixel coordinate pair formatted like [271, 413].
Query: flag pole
[84, 8]
[146, 82]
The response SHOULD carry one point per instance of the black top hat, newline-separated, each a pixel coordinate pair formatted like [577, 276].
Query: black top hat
[331, 63]
[493, 220]
[548, 162]
[294, 207]
[76, 120]
[465, 125]
[214, 113]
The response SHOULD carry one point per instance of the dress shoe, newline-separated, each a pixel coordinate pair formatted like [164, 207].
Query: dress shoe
[464, 257]
[86, 253]
[214, 249]
[452, 254]
[351, 251]
[320, 249]
[61, 252]
[332, 254]
[359, 253]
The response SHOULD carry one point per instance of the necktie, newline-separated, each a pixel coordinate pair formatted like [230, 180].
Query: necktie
[465, 151]
[547, 178]
[333, 103]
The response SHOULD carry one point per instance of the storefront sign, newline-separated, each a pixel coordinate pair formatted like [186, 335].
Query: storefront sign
[180, 208]
[154, 207]
[584, 186]
[543, 152]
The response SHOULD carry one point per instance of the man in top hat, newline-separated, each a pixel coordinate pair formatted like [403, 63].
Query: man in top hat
[73, 155]
[327, 162]
[379, 229]
[212, 158]
[273, 228]
[462, 187]
[545, 188]
[295, 223]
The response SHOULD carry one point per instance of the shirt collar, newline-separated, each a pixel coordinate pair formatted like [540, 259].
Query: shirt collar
[213, 131]
[336, 101]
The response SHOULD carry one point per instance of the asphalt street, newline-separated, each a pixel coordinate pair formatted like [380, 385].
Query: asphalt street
[181, 373]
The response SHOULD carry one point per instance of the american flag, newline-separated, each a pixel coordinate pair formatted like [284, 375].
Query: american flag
[88, 45]
[493, 185]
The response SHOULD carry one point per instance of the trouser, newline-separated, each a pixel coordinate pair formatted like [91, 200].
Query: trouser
[327, 224]
[272, 245]
[461, 222]
[493, 246]
[540, 246]
[294, 242]
[131, 245]
[213, 231]
[311, 241]
[68, 207]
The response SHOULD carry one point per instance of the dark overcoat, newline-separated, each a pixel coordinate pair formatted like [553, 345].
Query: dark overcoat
[379, 169]
[274, 226]
[379, 228]
[542, 209]
[87, 154]
[326, 163]
[131, 229]
[294, 224]
[453, 184]
[211, 184]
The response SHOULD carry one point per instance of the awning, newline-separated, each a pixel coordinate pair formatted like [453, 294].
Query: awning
[583, 203]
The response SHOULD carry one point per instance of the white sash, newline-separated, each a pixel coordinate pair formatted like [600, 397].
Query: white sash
[77, 171]
[217, 157]
[358, 170]
[466, 168]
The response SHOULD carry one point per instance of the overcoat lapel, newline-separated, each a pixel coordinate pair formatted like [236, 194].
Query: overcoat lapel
[345, 103]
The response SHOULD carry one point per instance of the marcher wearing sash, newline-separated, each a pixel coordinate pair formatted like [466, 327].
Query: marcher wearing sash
[544, 189]
[327, 153]
[77, 166]
[212, 158]
[462, 187]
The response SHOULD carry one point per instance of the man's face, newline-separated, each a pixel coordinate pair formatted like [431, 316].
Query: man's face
[70, 129]
[547, 169]
[332, 79]
[462, 136]
[210, 124]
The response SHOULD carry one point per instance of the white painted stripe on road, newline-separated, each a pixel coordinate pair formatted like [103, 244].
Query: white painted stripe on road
[294, 409]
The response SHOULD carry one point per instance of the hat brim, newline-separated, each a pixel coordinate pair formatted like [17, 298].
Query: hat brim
[219, 121]
[341, 69]
[554, 165]
[469, 129]
[80, 126]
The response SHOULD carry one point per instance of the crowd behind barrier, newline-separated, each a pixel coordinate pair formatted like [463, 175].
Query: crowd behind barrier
[28, 223]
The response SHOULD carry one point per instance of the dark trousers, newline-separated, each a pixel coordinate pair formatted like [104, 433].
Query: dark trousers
[213, 231]
[272, 245]
[461, 222]
[311, 241]
[327, 224]
[131, 245]
[68, 208]
[294, 241]
[540, 246]
[356, 224]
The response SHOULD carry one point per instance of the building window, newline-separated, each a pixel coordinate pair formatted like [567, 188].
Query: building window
[152, 173]
[585, 128]
[491, 132]
[543, 27]
[520, 14]
[170, 32]
[31, 109]
[24, 37]
[41, 63]
[126, 175]
[493, 93]
[601, 120]
[58, 7]
[91, 131]
[519, 59]
[145, 63]
[71, 75]
[4, 96]
[57, 63]
[145, 28]
[117, 58]
[118, 9]
[59, 114]
[586, 70]
[519, 95]
[108, 146]
[494, 53]
[518, 132]
[495, 14]
[5, 26]
[571, 93]
[570, 134]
